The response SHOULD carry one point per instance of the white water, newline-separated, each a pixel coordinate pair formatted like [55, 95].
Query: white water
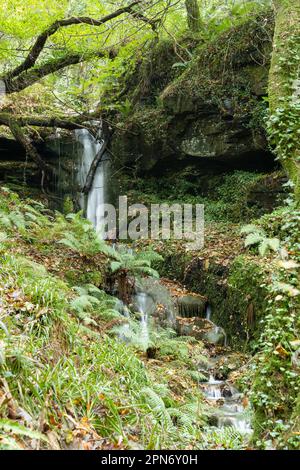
[238, 422]
[232, 412]
[142, 306]
[93, 204]
[208, 312]
[213, 389]
[124, 331]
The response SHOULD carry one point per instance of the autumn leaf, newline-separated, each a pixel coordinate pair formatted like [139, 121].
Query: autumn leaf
[280, 351]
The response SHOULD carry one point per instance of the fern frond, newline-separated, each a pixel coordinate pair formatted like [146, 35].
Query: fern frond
[263, 247]
[157, 407]
[251, 228]
[253, 239]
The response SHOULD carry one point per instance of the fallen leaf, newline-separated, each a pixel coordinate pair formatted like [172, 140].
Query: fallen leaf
[280, 351]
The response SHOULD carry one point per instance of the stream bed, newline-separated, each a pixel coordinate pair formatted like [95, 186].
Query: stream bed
[154, 303]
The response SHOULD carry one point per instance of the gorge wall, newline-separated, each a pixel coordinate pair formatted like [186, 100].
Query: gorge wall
[206, 112]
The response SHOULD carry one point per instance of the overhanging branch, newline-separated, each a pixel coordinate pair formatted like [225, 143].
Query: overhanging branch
[26, 74]
[40, 42]
[64, 122]
[28, 78]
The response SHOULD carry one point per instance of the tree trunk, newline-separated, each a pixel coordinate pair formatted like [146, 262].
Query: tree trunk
[284, 89]
[193, 15]
[106, 134]
[30, 149]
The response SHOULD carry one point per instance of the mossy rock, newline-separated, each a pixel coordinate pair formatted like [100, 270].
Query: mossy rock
[213, 110]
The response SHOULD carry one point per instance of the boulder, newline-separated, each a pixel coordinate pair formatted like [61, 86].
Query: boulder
[201, 329]
[191, 306]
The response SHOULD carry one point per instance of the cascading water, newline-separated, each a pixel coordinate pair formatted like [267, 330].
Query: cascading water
[141, 301]
[124, 331]
[231, 411]
[93, 204]
[213, 389]
[208, 312]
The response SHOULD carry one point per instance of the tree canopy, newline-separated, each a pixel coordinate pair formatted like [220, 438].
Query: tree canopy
[65, 55]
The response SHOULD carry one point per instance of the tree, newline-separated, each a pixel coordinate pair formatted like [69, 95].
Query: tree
[32, 69]
[193, 15]
[284, 89]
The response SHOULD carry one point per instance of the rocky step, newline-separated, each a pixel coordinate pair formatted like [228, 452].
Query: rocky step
[201, 329]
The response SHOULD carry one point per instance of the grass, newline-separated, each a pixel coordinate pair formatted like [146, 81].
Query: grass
[66, 380]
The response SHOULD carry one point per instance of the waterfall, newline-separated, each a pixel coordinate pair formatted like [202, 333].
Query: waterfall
[142, 306]
[208, 312]
[93, 204]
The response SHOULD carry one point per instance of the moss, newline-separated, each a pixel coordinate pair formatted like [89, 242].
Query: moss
[284, 89]
[233, 197]
[218, 96]
[238, 71]
[75, 277]
[236, 293]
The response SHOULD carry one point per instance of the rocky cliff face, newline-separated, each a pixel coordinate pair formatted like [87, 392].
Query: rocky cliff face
[22, 174]
[209, 116]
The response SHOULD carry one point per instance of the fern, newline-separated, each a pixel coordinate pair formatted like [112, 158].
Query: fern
[157, 407]
[253, 239]
[256, 236]
[185, 423]
[226, 437]
[92, 302]
[79, 235]
[135, 263]
[250, 228]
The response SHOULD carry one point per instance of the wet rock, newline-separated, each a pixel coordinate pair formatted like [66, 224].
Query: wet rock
[191, 306]
[201, 329]
[226, 391]
[204, 365]
[221, 375]
[151, 352]
[216, 335]
[213, 420]
[226, 365]
[163, 317]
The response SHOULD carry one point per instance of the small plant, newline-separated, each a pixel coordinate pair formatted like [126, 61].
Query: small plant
[92, 302]
[130, 265]
[256, 236]
[80, 236]
[10, 429]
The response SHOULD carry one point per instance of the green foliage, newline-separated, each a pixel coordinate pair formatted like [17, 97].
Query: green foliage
[92, 303]
[256, 236]
[52, 362]
[82, 238]
[136, 264]
[283, 123]
[9, 429]
[224, 438]
[284, 223]
[225, 197]
[172, 421]
[42, 288]
[275, 381]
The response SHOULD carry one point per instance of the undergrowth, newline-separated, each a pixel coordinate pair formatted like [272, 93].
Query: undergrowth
[66, 380]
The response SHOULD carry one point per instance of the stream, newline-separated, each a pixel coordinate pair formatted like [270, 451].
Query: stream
[227, 405]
